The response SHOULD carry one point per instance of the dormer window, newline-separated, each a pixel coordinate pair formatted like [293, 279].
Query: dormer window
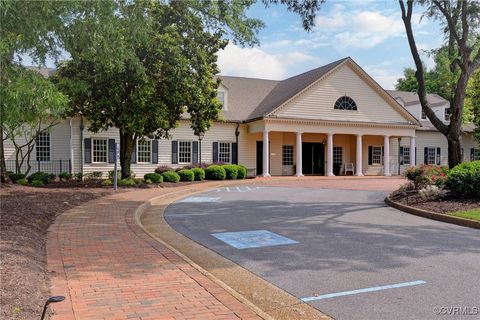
[222, 97]
[345, 103]
[447, 115]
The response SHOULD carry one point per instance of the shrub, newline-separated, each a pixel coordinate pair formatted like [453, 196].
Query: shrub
[242, 172]
[153, 177]
[95, 175]
[107, 182]
[186, 175]
[148, 181]
[202, 165]
[78, 176]
[231, 171]
[39, 176]
[464, 180]
[52, 176]
[22, 182]
[426, 175]
[170, 176]
[162, 169]
[37, 183]
[119, 174]
[15, 176]
[215, 172]
[129, 182]
[65, 176]
[199, 174]
[432, 192]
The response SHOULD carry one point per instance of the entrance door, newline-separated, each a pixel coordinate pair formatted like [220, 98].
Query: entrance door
[259, 158]
[313, 158]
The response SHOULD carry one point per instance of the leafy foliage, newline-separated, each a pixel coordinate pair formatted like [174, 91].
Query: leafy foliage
[464, 180]
[153, 177]
[199, 174]
[242, 172]
[231, 171]
[186, 175]
[170, 176]
[215, 172]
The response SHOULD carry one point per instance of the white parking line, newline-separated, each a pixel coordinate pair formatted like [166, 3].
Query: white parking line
[228, 189]
[348, 293]
[239, 190]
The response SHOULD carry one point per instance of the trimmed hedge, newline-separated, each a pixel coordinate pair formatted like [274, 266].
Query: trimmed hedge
[65, 176]
[129, 182]
[37, 183]
[153, 177]
[22, 182]
[199, 174]
[215, 172]
[40, 176]
[231, 171]
[170, 176]
[186, 175]
[464, 180]
[242, 172]
[15, 176]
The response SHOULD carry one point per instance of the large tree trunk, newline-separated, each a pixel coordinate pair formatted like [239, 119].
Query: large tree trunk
[3, 167]
[454, 151]
[127, 141]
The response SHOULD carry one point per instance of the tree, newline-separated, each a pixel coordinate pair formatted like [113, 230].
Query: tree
[462, 35]
[164, 65]
[472, 103]
[30, 105]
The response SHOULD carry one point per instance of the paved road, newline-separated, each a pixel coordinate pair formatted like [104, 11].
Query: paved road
[345, 240]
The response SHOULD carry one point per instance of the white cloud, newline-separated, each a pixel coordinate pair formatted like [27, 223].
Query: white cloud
[383, 75]
[257, 63]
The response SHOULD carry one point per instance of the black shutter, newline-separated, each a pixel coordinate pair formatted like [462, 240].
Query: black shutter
[134, 153]
[215, 152]
[174, 152]
[111, 150]
[401, 156]
[194, 151]
[87, 150]
[425, 155]
[235, 153]
[472, 154]
[370, 155]
[154, 151]
[438, 156]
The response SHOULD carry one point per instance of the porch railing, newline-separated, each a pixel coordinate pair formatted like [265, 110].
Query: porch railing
[53, 166]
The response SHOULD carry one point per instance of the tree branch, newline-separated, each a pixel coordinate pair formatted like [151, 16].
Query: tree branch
[450, 22]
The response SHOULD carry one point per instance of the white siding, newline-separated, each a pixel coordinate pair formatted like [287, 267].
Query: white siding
[318, 101]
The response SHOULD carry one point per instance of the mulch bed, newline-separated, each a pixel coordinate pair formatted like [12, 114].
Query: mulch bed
[444, 205]
[26, 214]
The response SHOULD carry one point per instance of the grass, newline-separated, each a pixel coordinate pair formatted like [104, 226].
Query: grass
[472, 214]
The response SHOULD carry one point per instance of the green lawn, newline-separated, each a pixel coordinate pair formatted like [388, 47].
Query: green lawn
[473, 214]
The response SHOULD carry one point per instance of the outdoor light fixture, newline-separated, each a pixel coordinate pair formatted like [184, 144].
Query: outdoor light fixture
[51, 300]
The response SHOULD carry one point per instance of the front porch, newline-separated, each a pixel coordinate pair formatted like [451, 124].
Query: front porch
[329, 149]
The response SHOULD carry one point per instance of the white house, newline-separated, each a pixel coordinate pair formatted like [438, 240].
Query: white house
[319, 122]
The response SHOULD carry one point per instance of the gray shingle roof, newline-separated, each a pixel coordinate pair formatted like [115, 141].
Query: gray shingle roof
[46, 72]
[411, 98]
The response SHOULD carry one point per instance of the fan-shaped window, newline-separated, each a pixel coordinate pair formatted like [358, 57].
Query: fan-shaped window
[345, 103]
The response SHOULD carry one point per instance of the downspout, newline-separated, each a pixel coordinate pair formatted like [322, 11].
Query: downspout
[71, 146]
[82, 126]
[399, 156]
[237, 133]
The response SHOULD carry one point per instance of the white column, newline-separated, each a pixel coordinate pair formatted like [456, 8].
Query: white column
[386, 156]
[330, 155]
[298, 159]
[413, 160]
[358, 164]
[266, 155]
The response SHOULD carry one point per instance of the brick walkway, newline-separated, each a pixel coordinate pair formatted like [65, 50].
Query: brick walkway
[108, 268]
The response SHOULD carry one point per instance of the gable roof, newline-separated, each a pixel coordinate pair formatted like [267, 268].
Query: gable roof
[411, 98]
[290, 87]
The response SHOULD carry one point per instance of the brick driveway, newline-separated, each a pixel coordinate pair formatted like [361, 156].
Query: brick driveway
[108, 268]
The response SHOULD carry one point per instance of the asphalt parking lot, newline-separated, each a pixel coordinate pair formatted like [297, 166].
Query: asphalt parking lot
[342, 251]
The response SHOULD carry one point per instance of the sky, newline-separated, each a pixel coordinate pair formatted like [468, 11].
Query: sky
[370, 32]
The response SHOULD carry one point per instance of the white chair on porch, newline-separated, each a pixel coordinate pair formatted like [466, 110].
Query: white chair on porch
[349, 168]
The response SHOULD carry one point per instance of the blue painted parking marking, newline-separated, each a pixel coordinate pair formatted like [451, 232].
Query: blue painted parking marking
[352, 292]
[252, 239]
[199, 199]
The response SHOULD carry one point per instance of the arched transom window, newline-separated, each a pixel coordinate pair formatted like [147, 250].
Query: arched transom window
[345, 103]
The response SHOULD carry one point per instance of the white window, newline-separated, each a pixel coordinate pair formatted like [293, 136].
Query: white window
[42, 144]
[224, 151]
[406, 155]
[377, 155]
[287, 155]
[100, 150]
[424, 116]
[144, 151]
[447, 115]
[221, 96]
[337, 155]
[475, 155]
[184, 151]
[431, 155]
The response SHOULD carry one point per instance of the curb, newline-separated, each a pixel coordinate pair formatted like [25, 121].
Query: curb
[433, 215]
[261, 312]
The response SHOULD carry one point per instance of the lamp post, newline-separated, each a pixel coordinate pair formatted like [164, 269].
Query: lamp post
[200, 138]
[51, 300]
